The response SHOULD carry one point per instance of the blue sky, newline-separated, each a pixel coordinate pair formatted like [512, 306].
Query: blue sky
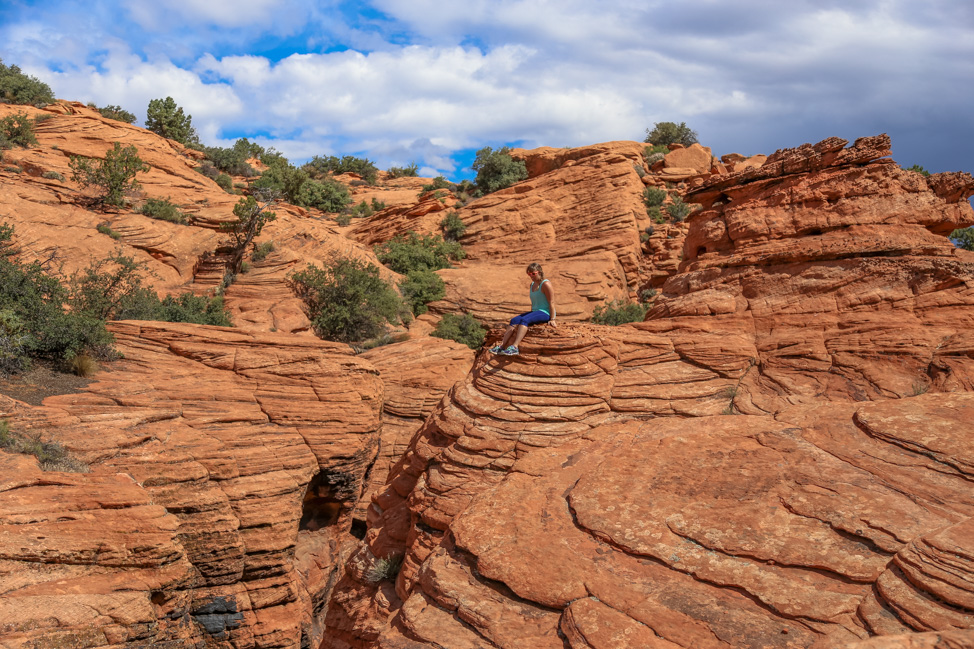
[430, 81]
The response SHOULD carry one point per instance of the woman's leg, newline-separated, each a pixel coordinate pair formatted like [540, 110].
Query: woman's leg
[535, 317]
[507, 335]
[521, 330]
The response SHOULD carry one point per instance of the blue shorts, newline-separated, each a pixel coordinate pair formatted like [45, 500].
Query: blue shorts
[530, 318]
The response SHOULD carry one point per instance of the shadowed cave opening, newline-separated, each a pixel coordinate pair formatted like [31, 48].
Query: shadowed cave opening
[321, 507]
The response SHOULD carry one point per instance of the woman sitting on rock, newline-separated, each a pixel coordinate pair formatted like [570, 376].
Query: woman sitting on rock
[542, 310]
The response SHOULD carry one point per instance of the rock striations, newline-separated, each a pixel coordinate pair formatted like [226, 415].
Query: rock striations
[779, 456]
[225, 467]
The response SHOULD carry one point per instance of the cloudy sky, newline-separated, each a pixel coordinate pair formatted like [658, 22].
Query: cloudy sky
[432, 81]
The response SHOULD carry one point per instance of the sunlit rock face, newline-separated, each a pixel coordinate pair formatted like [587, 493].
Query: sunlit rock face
[779, 456]
[225, 468]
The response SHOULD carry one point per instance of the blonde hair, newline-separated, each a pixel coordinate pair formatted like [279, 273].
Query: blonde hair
[536, 267]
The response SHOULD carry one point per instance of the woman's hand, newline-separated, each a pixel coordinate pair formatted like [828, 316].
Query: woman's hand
[553, 323]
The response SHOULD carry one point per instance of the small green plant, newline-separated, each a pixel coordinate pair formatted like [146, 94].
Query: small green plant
[347, 299]
[244, 230]
[117, 113]
[233, 160]
[420, 288]
[51, 456]
[453, 227]
[404, 253]
[19, 88]
[343, 219]
[164, 210]
[465, 329]
[409, 171]
[917, 168]
[639, 169]
[384, 569]
[322, 166]
[115, 175]
[105, 228]
[380, 341]
[920, 387]
[440, 182]
[656, 215]
[261, 251]
[17, 130]
[653, 196]
[377, 205]
[497, 169]
[14, 169]
[362, 210]
[664, 133]
[52, 175]
[617, 312]
[646, 295]
[678, 210]
[225, 182]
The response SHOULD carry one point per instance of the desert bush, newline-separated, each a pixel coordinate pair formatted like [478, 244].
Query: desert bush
[380, 341]
[465, 329]
[105, 228]
[326, 195]
[963, 238]
[420, 288]
[51, 456]
[678, 210]
[197, 309]
[384, 569]
[208, 169]
[409, 171]
[163, 117]
[225, 182]
[115, 175]
[453, 227]
[19, 88]
[117, 113]
[17, 130]
[233, 160]
[362, 210]
[917, 168]
[322, 166]
[13, 353]
[261, 251]
[164, 210]
[654, 197]
[497, 169]
[404, 253]
[617, 312]
[656, 215]
[647, 295]
[83, 365]
[440, 182]
[52, 175]
[343, 219]
[347, 300]
[664, 133]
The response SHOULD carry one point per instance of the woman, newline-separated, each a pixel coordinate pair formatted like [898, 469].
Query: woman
[542, 310]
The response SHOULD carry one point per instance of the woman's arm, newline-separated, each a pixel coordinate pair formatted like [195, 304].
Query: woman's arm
[550, 294]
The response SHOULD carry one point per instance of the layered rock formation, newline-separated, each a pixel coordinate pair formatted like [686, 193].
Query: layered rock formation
[225, 467]
[777, 457]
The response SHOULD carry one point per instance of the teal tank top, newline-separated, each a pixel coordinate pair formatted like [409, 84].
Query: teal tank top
[539, 302]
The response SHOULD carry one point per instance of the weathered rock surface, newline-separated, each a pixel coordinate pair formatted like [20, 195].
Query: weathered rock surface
[225, 467]
[777, 457]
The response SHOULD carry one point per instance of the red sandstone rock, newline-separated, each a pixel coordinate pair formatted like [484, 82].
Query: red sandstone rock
[224, 470]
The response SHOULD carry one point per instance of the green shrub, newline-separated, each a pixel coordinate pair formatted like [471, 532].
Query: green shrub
[17, 130]
[646, 295]
[343, 219]
[497, 169]
[261, 251]
[917, 168]
[233, 160]
[380, 341]
[225, 182]
[377, 204]
[196, 309]
[320, 167]
[678, 210]
[51, 456]
[117, 113]
[619, 312]
[164, 210]
[384, 569]
[409, 171]
[420, 288]
[654, 197]
[440, 182]
[362, 210]
[963, 238]
[13, 339]
[115, 175]
[105, 228]
[14, 169]
[165, 118]
[404, 253]
[655, 149]
[664, 133]
[326, 195]
[347, 300]
[19, 88]
[656, 215]
[208, 170]
[52, 175]
[465, 330]
[453, 227]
